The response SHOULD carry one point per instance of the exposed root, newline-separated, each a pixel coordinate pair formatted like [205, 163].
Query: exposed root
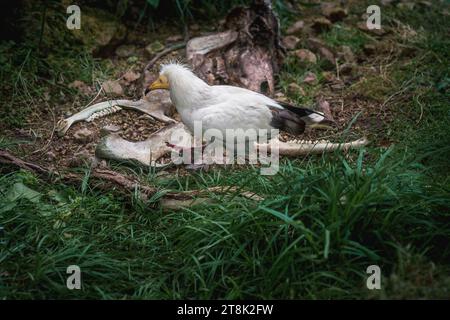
[124, 182]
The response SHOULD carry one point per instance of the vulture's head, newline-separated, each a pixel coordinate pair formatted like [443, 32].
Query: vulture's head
[174, 75]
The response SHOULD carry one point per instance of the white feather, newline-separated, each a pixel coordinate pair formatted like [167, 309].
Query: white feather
[218, 107]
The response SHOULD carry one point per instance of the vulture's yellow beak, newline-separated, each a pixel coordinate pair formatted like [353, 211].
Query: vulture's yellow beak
[161, 83]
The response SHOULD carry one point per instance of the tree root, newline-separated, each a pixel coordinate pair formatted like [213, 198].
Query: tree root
[170, 200]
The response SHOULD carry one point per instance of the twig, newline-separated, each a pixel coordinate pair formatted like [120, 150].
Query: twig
[168, 50]
[125, 182]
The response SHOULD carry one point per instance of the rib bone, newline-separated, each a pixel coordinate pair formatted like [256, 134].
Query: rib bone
[156, 106]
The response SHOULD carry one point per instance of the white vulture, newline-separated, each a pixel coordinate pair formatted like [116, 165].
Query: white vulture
[227, 107]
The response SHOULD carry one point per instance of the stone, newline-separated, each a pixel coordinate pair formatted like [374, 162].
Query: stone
[347, 54]
[406, 5]
[175, 38]
[126, 51]
[83, 135]
[112, 87]
[324, 106]
[379, 32]
[50, 156]
[154, 47]
[290, 42]
[195, 27]
[296, 28]
[279, 96]
[81, 87]
[99, 29]
[333, 13]
[328, 76]
[79, 158]
[310, 78]
[131, 76]
[306, 55]
[346, 68]
[321, 24]
[295, 89]
[318, 46]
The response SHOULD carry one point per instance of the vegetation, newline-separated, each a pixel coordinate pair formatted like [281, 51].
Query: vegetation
[323, 220]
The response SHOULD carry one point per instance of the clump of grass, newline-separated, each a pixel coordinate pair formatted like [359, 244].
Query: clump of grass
[340, 35]
[322, 223]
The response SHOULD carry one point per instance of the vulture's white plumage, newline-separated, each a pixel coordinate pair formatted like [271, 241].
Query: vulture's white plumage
[227, 107]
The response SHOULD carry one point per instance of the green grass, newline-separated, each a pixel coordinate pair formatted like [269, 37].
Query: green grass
[324, 219]
[346, 35]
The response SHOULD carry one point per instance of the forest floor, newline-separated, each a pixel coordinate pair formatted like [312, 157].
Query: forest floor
[322, 219]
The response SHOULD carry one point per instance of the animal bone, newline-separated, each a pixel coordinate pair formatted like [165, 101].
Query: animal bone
[148, 152]
[299, 148]
[156, 105]
[155, 147]
[145, 152]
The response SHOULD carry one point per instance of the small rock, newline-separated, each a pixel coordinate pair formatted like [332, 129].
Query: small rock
[318, 46]
[379, 32]
[290, 42]
[306, 55]
[131, 76]
[83, 135]
[346, 68]
[112, 87]
[174, 38]
[333, 12]
[295, 89]
[347, 54]
[328, 76]
[324, 106]
[81, 87]
[321, 24]
[339, 85]
[79, 158]
[99, 30]
[406, 5]
[126, 51]
[195, 27]
[296, 28]
[310, 78]
[279, 96]
[50, 156]
[154, 47]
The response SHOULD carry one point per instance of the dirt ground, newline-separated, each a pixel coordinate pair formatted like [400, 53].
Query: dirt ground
[344, 90]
